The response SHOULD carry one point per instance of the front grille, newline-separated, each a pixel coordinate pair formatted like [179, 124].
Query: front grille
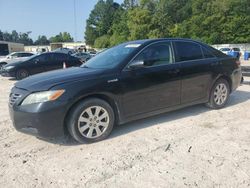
[13, 98]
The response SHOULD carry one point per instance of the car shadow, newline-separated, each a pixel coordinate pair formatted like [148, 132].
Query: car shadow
[12, 79]
[236, 98]
[246, 82]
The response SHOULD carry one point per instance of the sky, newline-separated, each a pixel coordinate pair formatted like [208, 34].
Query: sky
[46, 17]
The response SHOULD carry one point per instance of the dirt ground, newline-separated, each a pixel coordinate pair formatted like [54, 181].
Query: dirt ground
[192, 147]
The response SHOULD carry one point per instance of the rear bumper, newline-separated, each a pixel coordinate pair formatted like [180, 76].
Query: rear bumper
[236, 78]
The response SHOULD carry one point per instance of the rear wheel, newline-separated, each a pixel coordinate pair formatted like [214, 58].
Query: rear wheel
[21, 74]
[91, 120]
[219, 94]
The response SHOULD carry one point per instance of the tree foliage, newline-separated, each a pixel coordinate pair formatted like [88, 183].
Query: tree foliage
[14, 36]
[24, 38]
[62, 37]
[100, 20]
[42, 40]
[210, 21]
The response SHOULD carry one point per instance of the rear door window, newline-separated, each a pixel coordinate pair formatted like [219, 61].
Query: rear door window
[44, 57]
[26, 54]
[60, 57]
[187, 51]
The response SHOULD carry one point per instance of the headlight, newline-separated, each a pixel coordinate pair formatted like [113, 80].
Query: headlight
[43, 96]
[9, 67]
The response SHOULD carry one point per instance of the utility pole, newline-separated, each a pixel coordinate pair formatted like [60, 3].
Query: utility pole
[75, 23]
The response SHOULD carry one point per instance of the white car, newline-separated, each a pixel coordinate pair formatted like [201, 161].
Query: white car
[13, 57]
[225, 50]
[65, 50]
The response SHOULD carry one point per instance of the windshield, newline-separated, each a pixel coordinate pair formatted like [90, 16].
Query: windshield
[31, 57]
[111, 57]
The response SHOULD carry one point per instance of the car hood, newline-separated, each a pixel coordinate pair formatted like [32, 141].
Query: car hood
[45, 81]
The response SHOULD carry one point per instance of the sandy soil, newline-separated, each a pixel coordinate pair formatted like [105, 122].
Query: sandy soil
[192, 147]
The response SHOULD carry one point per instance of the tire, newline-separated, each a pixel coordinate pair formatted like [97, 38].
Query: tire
[86, 125]
[1, 66]
[219, 94]
[21, 74]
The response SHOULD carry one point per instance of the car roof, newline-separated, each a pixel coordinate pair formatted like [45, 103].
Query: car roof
[144, 41]
[55, 52]
[21, 53]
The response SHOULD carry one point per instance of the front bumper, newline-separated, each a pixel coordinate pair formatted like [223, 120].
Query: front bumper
[45, 120]
[7, 73]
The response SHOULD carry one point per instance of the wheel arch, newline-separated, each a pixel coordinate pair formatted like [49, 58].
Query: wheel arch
[228, 79]
[104, 97]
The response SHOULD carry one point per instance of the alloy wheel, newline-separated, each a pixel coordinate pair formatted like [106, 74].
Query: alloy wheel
[220, 94]
[21, 74]
[93, 122]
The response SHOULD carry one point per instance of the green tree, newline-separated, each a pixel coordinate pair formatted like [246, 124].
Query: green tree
[100, 20]
[119, 30]
[62, 37]
[42, 40]
[210, 21]
[139, 23]
[15, 36]
[1, 35]
[102, 42]
[130, 4]
[24, 39]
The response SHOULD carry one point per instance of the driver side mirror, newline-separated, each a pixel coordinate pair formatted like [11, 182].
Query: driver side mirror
[136, 64]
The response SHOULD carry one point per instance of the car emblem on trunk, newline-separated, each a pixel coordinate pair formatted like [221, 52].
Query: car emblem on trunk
[114, 80]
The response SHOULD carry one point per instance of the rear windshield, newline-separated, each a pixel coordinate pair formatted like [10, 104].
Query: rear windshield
[216, 52]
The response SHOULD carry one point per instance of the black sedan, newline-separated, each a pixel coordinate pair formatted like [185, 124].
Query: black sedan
[39, 63]
[127, 82]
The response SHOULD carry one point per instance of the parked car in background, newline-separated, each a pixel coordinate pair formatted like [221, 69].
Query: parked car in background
[12, 57]
[39, 63]
[83, 56]
[228, 50]
[65, 50]
[42, 50]
[225, 50]
[92, 53]
[127, 82]
[237, 50]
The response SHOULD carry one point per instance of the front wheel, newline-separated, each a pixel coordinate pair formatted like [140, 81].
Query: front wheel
[219, 94]
[1, 66]
[21, 74]
[91, 120]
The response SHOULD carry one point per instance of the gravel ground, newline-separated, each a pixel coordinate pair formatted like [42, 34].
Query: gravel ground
[192, 147]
